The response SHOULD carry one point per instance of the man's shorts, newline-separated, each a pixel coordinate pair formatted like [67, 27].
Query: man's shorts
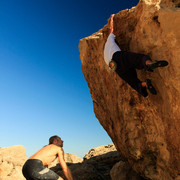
[33, 169]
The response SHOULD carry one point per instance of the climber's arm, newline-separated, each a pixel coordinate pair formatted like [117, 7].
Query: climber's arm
[111, 24]
[63, 164]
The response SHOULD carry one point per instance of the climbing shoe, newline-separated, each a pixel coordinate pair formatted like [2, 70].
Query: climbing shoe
[156, 64]
[150, 87]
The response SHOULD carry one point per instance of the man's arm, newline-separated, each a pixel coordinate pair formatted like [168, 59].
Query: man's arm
[63, 164]
[111, 24]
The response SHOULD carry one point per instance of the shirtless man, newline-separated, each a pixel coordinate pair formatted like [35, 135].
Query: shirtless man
[34, 169]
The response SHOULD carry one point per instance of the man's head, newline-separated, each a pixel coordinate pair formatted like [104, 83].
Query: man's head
[56, 140]
[113, 65]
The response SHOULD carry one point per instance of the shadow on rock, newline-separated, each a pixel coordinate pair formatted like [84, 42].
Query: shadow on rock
[95, 168]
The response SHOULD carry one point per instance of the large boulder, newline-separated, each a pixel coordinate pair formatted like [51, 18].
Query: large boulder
[96, 165]
[11, 161]
[146, 131]
[69, 158]
[101, 150]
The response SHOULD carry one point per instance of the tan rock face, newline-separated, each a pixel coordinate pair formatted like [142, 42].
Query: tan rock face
[69, 158]
[122, 171]
[101, 150]
[145, 130]
[11, 161]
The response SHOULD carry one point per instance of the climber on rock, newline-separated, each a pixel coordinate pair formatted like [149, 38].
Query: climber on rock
[34, 168]
[125, 64]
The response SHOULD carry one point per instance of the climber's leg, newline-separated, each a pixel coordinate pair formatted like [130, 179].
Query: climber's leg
[126, 70]
[130, 77]
[132, 60]
[150, 87]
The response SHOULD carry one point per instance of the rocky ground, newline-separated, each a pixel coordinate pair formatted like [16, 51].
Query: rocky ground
[11, 162]
[100, 163]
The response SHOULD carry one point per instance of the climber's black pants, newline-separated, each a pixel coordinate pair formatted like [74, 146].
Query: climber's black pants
[127, 63]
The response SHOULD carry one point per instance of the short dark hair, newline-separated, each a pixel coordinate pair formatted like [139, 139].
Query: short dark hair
[52, 138]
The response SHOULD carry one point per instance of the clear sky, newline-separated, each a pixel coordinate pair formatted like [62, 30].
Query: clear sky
[42, 88]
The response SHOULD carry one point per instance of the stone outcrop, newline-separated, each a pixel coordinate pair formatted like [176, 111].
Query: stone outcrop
[96, 165]
[69, 158]
[11, 161]
[100, 151]
[146, 131]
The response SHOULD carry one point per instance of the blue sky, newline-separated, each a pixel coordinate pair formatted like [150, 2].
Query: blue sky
[42, 88]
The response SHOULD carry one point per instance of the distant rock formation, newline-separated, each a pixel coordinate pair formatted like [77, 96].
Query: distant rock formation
[11, 161]
[101, 150]
[97, 165]
[69, 158]
[146, 131]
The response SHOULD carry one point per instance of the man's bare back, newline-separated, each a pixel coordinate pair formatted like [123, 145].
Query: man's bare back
[47, 154]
